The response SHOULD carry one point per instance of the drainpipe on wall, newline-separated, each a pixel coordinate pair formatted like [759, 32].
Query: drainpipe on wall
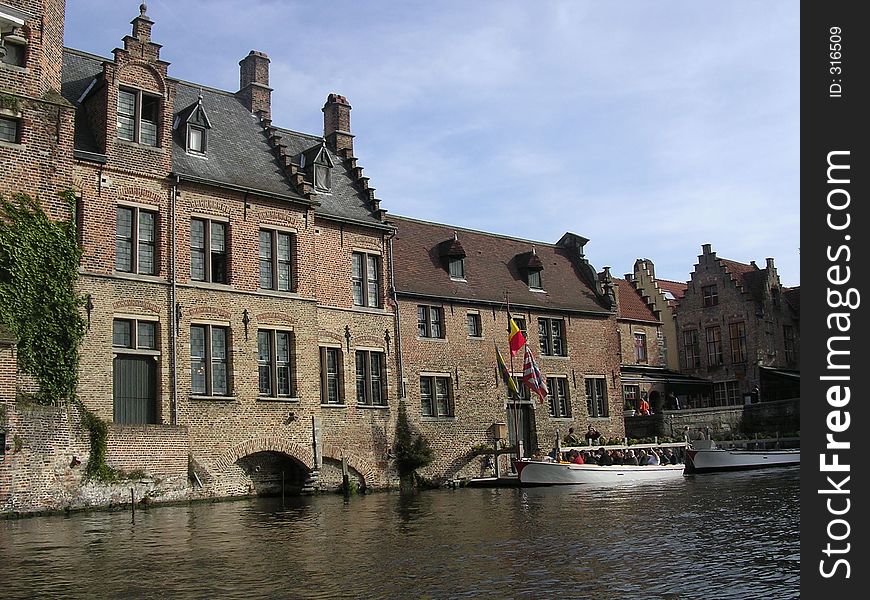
[394, 296]
[173, 322]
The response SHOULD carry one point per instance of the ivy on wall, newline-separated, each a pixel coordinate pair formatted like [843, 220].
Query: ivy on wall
[39, 260]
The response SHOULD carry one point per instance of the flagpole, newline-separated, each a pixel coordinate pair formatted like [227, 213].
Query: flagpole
[516, 405]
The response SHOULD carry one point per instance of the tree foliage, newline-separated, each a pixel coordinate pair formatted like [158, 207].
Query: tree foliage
[39, 260]
[411, 449]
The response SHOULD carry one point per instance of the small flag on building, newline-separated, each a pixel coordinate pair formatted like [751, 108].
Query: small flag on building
[505, 375]
[532, 377]
[516, 339]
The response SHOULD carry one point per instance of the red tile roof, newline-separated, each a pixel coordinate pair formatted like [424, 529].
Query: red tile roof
[631, 304]
[675, 288]
[494, 264]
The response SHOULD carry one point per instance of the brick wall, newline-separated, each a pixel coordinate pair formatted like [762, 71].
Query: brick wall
[479, 397]
[158, 450]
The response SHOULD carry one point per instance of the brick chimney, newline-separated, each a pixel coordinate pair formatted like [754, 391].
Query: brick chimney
[336, 124]
[254, 91]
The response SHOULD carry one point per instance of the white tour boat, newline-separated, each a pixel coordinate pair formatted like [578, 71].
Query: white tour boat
[534, 472]
[703, 456]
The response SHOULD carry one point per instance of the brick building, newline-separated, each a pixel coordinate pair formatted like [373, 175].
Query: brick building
[234, 270]
[739, 328]
[453, 287]
[663, 296]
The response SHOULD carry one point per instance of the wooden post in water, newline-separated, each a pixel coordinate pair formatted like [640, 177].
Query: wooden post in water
[132, 504]
[282, 488]
[495, 458]
[345, 477]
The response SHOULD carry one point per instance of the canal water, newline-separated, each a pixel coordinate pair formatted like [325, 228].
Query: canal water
[718, 536]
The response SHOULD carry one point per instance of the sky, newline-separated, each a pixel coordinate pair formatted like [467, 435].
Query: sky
[650, 128]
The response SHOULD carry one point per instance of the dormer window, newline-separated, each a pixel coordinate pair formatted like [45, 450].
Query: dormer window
[453, 257]
[530, 264]
[535, 280]
[138, 113]
[457, 268]
[196, 139]
[321, 177]
[193, 123]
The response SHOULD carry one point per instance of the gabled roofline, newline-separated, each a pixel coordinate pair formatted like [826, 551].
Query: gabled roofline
[501, 304]
[477, 231]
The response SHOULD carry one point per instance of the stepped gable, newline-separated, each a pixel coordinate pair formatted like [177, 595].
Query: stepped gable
[491, 269]
[632, 305]
[349, 197]
[749, 278]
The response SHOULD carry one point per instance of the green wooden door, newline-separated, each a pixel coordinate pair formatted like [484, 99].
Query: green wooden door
[135, 390]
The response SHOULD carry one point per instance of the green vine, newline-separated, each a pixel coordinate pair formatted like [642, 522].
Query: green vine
[99, 433]
[412, 450]
[9, 102]
[39, 260]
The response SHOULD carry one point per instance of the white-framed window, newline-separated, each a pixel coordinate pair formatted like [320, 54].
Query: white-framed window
[208, 251]
[557, 397]
[714, 346]
[737, 335]
[196, 139]
[331, 387]
[209, 360]
[436, 397]
[135, 240]
[596, 396]
[430, 321]
[640, 355]
[371, 381]
[366, 279]
[710, 294]
[138, 116]
[726, 393]
[551, 337]
[274, 361]
[691, 349]
[276, 250]
[134, 334]
[456, 267]
[475, 326]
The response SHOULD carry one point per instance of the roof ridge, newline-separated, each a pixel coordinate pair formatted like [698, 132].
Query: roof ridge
[470, 230]
[85, 54]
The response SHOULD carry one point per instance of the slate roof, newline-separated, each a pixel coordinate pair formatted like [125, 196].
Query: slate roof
[631, 304]
[491, 269]
[78, 72]
[238, 153]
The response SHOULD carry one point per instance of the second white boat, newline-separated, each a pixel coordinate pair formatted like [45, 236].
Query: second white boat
[530, 472]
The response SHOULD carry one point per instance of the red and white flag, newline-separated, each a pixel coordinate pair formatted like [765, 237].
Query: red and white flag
[532, 377]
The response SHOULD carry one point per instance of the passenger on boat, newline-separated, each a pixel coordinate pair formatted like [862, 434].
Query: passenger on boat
[653, 457]
[604, 458]
[629, 458]
[668, 457]
[571, 439]
[578, 458]
[617, 457]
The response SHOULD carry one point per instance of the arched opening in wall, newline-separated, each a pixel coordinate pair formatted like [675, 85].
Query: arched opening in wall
[272, 473]
[330, 477]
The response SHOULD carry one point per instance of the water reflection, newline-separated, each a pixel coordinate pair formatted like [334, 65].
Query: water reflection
[723, 536]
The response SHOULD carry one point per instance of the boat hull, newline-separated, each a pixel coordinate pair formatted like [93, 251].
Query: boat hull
[718, 460]
[552, 473]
